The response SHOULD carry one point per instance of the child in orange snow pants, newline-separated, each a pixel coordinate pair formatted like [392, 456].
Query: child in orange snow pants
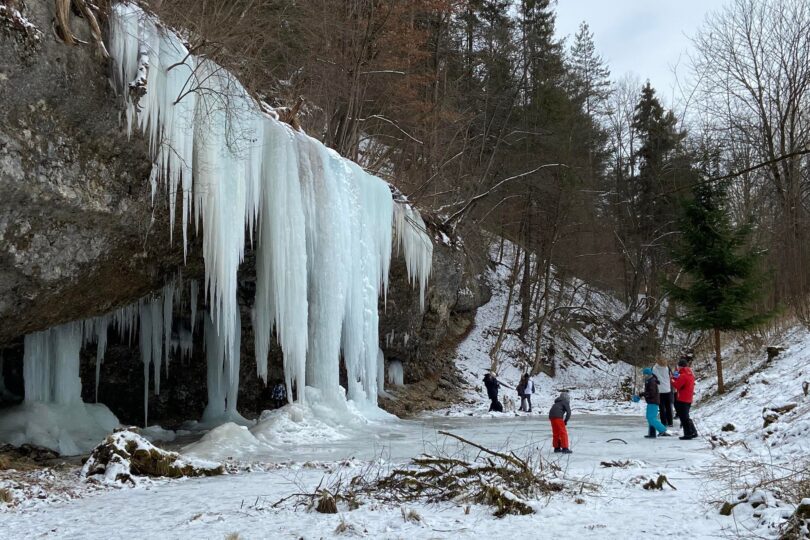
[558, 415]
[559, 434]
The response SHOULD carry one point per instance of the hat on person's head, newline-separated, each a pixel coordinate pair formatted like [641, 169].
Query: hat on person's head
[647, 371]
[683, 362]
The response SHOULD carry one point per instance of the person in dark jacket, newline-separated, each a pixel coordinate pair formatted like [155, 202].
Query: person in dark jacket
[652, 396]
[558, 415]
[492, 384]
[683, 381]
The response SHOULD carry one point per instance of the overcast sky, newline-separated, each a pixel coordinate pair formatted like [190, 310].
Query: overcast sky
[647, 37]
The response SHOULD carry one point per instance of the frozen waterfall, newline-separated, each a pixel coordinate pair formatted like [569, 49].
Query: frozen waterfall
[323, 225]
[322, 229]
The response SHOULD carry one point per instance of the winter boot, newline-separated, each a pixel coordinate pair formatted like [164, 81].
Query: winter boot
[557, 450]
[566, 451]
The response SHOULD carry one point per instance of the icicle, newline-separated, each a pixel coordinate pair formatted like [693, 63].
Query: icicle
[195, 292]
[215, 359]
[51, 365]
[281, 261]
[381, 370]
[102, 324]
[168, 308]
[151, 341]
[416, 246]
[222, 358]
[396, 374]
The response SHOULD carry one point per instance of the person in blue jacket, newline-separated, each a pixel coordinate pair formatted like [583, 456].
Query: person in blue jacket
[653, 399]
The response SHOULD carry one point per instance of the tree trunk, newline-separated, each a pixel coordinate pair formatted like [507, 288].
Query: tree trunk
[525, 295]
[721, 387]
[513, 277]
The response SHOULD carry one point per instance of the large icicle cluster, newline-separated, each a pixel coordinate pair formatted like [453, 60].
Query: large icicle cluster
[53, 414]
[323, 225]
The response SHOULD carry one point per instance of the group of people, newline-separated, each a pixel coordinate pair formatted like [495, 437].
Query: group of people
[664, 388]
[558, 415]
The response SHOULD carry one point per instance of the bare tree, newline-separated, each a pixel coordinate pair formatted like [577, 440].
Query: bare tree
[752, 61]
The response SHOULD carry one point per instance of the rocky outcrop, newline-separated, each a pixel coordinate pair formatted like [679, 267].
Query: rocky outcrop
[78, 232]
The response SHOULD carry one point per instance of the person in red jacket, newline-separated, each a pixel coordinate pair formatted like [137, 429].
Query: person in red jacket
[683, 381]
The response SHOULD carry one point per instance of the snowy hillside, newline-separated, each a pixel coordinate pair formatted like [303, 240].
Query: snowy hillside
[596, 382]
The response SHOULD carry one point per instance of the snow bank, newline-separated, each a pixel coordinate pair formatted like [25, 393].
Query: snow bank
[229, 440]
[775, 389]
[319, 420]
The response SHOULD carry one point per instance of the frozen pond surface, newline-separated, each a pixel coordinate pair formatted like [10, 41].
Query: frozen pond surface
[244, 503]
[403, 439]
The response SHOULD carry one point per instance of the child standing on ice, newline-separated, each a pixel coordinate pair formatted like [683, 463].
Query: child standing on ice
[652, 397]
[558, 415]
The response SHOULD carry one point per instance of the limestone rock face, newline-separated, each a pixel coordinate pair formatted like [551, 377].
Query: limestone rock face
[78, 232]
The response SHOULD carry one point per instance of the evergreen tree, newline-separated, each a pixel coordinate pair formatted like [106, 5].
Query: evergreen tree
[590, 74]
[722, 269]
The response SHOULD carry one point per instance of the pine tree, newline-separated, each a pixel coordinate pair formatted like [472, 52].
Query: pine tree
[724, 281]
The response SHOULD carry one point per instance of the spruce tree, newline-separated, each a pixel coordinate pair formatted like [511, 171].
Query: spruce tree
[722, 270]
[590, 74]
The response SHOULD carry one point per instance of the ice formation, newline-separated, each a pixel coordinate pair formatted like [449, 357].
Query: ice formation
[53, 414]
[416, 246]
[222, 359]
[323, 225]
[396, 374]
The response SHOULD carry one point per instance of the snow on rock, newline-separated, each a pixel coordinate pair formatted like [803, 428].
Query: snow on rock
[125, 455]
[16, 20]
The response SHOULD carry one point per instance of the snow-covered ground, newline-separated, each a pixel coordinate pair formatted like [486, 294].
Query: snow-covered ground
[245, 502]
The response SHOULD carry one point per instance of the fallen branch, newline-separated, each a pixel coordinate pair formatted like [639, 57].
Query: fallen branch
[658, 483]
